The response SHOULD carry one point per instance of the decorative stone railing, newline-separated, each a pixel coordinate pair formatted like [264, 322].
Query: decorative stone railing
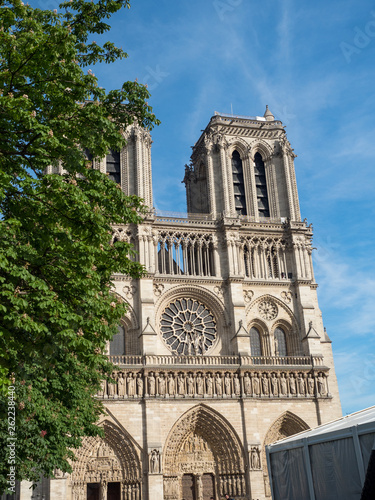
[207, 361]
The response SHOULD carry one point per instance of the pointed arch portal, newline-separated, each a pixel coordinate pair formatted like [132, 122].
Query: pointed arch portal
[203, 457]
[108, 468]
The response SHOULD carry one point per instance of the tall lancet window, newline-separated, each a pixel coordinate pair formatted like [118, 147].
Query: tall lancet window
[238, 184]
[113, 166]
[261, 186]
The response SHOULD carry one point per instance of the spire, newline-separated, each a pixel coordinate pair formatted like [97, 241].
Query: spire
[268, 115]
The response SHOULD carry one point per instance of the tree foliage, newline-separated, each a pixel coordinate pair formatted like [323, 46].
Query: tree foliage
[57, 311]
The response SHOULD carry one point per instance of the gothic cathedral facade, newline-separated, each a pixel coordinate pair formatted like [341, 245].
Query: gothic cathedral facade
[223, 348]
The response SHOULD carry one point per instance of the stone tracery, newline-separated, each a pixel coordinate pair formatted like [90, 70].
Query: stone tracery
[188, 327]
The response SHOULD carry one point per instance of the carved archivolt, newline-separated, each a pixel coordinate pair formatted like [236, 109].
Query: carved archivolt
[112, 459]
[204, 432]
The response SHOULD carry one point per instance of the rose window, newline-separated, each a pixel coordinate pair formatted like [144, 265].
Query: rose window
[267, 310]
[188, 327]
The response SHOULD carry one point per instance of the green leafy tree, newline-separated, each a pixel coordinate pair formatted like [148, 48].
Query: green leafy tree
[57, 311]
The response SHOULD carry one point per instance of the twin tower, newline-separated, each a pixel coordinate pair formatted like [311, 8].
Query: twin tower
[223, 348]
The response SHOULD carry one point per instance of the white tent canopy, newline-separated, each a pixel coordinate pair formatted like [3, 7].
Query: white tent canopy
[328, 462]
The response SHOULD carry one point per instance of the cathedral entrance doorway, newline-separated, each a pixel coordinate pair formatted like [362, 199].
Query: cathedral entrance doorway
[203, 458]
[107, 469]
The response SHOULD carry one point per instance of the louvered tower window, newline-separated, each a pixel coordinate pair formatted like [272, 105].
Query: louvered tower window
[113, 166]
[261, 186]
[238, 184]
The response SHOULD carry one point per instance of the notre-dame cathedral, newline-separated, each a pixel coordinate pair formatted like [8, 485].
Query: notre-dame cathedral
[223, 348]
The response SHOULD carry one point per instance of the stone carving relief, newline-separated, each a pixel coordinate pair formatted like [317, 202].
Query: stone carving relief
[254, 459]
[248, 295]
[220, 291]
[158, 289]
[287, 297]
[129, 291]
[155, 461]
[267, 310]
[215, 384]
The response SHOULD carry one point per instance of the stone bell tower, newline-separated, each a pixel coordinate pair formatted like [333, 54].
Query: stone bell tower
[243, 167]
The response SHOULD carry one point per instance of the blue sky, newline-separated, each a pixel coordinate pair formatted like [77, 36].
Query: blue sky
[313, 64]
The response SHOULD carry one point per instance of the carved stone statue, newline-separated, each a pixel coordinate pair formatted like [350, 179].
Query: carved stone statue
[301, 384]
[140, 385]
[171, 384]
[130, 385]
[237, 386]
[310, 385]
[321, 384]
[181, 384]
[256, 385]
[265, 386]
[292, 384]
[247, 383]
[255, 458]
[275, 385]
[283, 385]
[154, 462]
[151, 384]
[218, 385]
[209, 385]
[161, 384]
[121, 385]
[200, 385]
[190, 385]
[227, 384]
[112, 388]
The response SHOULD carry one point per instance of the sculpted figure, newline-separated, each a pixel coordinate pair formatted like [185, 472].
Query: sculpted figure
[130, 385]
[227, 384]
[181, 385]
[237, 386]
[209, 384]
[161, 384]
[275, 385]
[171, 384]
[283, 385]
[218, 385]
[310, 384]
[200, 385]
[154, 461]
[256, 385]
[140, 385]
[247, 383]
[301, 384]
[103, 389]
[292, 384]
[151, 384]
[121, 385]
[190, 384]
[265, 386]
[112, 388]
[255, 458]
[321, 385]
